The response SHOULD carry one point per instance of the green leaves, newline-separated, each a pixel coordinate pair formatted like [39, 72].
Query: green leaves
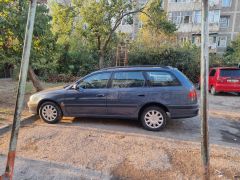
[13, 16]
[232, 55]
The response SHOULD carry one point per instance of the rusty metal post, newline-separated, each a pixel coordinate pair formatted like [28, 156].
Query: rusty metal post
[204, 88]
[21, 91]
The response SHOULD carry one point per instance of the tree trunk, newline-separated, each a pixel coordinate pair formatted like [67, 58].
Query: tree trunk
[101, 59]
[35, 81]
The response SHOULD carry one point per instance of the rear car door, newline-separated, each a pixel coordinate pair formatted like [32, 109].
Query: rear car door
[165, 88]
[127, 93]
[90, 96]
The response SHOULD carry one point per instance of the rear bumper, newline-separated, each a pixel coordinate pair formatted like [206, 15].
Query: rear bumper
[184, 111]
[227, 88]
[32, 108]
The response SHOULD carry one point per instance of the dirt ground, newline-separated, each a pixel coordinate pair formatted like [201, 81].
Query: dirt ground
[120, 155]
[8, 90]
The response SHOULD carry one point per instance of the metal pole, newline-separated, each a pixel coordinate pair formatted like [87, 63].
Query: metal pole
[21, 91]
[204, 89]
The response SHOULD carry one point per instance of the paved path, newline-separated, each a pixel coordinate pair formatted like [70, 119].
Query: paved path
[222, 131]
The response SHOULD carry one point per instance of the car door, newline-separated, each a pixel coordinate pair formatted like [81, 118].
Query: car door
[126, 94]
[165, 88]
[212, 77]
[89, 98]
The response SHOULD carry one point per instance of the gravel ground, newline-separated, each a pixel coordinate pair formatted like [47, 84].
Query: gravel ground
[121, 155]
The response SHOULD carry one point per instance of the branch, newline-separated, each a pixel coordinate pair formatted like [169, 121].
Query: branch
[118, 22]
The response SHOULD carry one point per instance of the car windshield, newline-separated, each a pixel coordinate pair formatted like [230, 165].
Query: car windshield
[230, 73]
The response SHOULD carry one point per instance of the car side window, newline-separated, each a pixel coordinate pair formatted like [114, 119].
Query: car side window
[95, 81]
[161, 78]
[128, 79]
[212, 73]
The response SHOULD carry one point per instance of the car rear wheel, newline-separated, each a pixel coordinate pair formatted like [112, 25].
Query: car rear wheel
[213, 90]
[50, 112]
[153, 118]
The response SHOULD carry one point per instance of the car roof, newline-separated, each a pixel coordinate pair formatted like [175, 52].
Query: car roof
[225, 68]
[139, 68]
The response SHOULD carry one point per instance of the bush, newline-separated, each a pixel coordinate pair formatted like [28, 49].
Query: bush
[186, 59]
[61, 78]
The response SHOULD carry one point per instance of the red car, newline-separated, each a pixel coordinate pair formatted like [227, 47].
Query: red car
[224, 79]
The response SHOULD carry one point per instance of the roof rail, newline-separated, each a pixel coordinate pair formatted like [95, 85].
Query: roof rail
[115, 67]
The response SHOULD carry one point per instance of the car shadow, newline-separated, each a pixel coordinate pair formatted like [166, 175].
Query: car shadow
[173, 126]
[101, 122]
[226, 94]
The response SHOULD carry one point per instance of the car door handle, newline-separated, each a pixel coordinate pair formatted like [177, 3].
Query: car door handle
[141, 95]
[100, 95]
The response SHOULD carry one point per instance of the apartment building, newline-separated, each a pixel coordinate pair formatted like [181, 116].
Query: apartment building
[224, 21]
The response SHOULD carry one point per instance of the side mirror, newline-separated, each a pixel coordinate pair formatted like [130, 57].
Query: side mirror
[75, 86]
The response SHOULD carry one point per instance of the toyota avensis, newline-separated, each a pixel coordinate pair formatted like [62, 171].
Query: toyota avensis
[150, 94]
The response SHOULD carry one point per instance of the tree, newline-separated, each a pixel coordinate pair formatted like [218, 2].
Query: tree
[13, 20]
[232, 55]
[97, 20]
[157, 30]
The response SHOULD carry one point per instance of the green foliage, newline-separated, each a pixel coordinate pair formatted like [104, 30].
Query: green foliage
[186, 59]
[94, 23]
[232, 55]
[13, 18]
[158, 20]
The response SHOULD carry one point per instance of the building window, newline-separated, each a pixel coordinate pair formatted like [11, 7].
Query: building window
[226, 3]
[214, 17]
[179, 17]
[224, 21]
[196, 40]
[197, 17]
[187, 17]
[175, 17]
[222, 41]
[214, 2]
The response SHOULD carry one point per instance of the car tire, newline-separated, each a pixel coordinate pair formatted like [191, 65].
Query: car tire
[50, 112]
[153, 118]
[213, 91]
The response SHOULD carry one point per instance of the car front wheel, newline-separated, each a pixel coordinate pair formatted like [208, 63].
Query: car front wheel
[154, 118]
[50, 112]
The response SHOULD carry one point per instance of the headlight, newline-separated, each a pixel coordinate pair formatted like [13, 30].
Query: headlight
[33, 98]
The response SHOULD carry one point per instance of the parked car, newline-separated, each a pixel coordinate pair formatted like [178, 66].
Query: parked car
[150, 94]
[224, 79]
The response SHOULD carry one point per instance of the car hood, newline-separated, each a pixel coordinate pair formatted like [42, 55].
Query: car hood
[54, 90]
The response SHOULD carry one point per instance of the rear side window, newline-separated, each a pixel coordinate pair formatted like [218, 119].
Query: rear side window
[213, 72]
[230, 72]
[161, 78]
[128, 80]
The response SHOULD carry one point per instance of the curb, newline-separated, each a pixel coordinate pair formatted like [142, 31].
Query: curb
[25, 121]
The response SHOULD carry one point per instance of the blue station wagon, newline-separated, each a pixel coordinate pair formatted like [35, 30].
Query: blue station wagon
[150, 94]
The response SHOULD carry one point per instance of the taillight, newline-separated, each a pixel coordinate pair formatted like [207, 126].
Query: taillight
[192, 95]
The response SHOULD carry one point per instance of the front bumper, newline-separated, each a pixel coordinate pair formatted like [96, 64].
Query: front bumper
[32, 107]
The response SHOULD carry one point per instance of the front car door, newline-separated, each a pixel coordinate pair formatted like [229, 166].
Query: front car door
[89, 98]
